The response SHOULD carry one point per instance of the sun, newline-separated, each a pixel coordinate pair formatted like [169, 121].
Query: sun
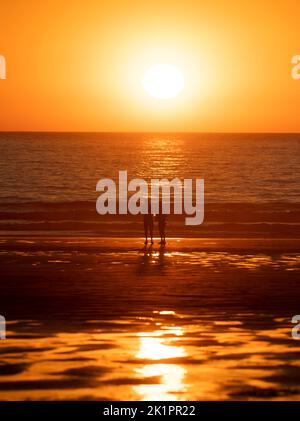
[163, 81]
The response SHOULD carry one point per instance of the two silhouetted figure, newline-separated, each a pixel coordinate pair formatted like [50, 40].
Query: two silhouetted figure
[149, 223]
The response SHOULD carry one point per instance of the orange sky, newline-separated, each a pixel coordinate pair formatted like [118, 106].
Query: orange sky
[77, 65]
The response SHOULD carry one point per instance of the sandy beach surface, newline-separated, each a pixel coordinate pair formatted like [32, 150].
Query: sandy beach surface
[107, 318]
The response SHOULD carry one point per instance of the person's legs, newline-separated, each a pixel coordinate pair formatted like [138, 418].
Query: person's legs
[160, 232]
[151, 230]
[163, 231]
[146, 230]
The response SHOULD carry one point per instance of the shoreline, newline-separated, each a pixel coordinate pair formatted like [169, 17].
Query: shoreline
[103, 244]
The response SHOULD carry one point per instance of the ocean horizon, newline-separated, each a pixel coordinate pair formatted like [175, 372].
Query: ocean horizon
[59, 167]
[48, 180]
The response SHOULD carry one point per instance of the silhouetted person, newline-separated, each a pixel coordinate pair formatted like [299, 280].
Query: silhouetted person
[162, 222]
[148, 224]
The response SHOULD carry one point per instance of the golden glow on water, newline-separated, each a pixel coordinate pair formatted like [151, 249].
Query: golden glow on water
[158, 356]
[165, 312]
[163, 323]
[158, 345]
[171, 382]
[159, 348]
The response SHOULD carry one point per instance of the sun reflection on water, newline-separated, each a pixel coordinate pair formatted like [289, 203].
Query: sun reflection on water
[161, 345]
[171, 386]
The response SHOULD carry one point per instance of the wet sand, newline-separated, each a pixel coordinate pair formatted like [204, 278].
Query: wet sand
[107, 318]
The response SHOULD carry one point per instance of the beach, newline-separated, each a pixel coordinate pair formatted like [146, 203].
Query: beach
[91, 313]
[107, 318]
[149, 208]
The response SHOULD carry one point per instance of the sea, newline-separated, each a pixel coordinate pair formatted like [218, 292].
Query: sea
[48, 180]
